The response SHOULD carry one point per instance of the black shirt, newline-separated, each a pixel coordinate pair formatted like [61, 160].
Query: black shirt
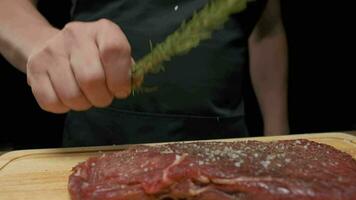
[199, 94]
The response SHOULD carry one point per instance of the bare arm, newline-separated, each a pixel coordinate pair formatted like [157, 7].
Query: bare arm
[269, 69]
[22, 29]
[81, 66]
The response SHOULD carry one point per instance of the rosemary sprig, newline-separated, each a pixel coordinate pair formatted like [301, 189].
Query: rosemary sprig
[186, 37]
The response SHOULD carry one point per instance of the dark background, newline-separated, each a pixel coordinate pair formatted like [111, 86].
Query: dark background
[321, 82]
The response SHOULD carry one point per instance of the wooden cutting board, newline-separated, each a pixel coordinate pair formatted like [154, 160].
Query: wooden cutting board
[42, 174]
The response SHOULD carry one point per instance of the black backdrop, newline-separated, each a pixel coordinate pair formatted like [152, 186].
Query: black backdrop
[321, 80]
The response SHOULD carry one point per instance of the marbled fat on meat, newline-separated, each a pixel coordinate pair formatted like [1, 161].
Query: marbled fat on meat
[251, 170]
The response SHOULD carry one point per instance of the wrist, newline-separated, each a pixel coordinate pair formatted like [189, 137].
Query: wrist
[18, 47]
[36, 43]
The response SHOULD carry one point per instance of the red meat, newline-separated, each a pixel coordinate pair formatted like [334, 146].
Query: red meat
[288, 170]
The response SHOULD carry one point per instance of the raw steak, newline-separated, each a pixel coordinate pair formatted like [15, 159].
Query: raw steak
[290, 170]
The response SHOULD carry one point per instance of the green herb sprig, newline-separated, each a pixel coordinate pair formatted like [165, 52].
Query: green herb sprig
[203, 23]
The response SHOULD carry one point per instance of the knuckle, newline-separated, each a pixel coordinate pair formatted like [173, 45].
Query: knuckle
[72, 98]
[35, 61]
[120, 86]
[123, 47]
[117, 49]
[72, 26]
[105, 22]
[35, 67]
[39, 62]
[90, 79]
[47, 52]
[31, 67]
[126, 48]
[72, 30]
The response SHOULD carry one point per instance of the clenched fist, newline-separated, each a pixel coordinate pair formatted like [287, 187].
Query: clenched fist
[82, 65]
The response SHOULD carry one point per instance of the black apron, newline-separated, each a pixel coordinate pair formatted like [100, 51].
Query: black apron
[199, 94]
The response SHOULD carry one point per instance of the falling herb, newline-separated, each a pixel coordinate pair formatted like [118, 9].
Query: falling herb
[186, 37]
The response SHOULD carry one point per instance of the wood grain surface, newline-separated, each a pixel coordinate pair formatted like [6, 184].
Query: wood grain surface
[43, 174]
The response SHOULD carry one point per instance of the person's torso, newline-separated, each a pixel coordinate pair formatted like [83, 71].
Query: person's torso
[199, 94]
[206, 81]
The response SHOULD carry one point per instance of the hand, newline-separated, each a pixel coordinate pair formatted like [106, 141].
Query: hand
[82, 65]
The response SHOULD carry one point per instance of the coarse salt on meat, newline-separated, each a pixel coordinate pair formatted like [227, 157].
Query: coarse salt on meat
[248, 170]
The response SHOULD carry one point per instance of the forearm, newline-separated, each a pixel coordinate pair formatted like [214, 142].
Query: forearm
[22, 29]
[269, 75]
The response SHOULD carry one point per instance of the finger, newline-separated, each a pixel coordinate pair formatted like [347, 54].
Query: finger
[65, 85]
[45, 95]
[115, 54]
[89, 73]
